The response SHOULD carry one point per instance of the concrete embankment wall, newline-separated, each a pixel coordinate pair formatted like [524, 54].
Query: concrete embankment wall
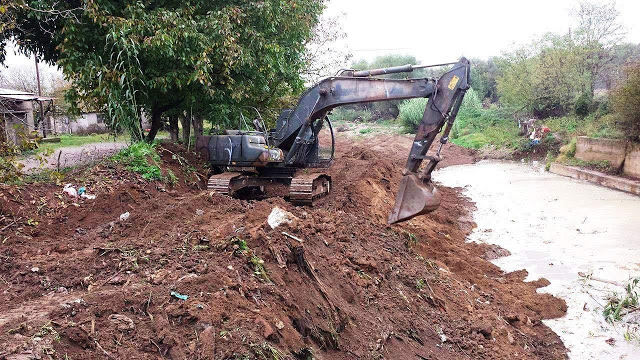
[612, 182]
[621, 154]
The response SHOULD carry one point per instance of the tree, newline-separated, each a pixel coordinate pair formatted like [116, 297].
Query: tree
[542, 77]
[212, 58]
[483, 78]
[626, 102]
[323, 57]
[599, 30]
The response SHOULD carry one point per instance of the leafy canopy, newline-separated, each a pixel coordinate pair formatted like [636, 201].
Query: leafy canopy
[211, 58]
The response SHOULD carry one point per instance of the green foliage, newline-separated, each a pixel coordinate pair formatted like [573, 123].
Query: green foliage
[483, 78]
[10, 168]
[618, 306]
[544, 77]
[210, 58]
[583, 104]
[569, 150]
[626, 103]
[141, 158]
[476, 127]
[411, 112]
[352, 114]
[592, 126]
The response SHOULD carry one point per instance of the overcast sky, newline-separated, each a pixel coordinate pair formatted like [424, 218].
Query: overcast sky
[442, 31]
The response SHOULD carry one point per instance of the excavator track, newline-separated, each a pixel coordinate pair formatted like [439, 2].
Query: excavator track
[307, 188]
[220, 183]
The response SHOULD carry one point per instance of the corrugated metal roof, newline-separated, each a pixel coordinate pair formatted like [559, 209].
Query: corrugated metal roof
[21, 95]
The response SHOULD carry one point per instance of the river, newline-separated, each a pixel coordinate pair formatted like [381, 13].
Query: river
[558, 228]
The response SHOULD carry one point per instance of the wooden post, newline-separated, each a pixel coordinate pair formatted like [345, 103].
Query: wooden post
[42, 120]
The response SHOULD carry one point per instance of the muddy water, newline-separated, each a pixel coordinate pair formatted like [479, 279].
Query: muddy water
[558, 228]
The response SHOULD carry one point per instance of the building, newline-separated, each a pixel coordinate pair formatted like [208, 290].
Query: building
[16, 112]
[85, 123]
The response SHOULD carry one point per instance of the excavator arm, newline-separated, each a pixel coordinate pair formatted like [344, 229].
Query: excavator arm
[416, 195]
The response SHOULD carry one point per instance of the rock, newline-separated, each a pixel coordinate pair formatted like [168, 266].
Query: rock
[279, 217]
[125, 216]
[510, 338]
[117, 280]
[122, 322]
[267, 331]
[343, 128]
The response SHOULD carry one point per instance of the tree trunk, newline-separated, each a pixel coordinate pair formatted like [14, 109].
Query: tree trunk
[197, 125]
[173, 128]
[186, 129]
[156, 124]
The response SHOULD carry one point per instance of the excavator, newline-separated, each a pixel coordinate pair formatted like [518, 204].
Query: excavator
[272, 162]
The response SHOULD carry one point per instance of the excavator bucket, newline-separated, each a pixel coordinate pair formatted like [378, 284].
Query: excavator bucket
[415, 197]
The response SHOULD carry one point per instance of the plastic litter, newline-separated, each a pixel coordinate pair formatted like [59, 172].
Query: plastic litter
[125, 216]
[70, 190]
[82, 190]
[88, 196]
[179, 296]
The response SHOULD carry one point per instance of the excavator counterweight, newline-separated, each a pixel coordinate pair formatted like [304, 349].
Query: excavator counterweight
[265, 163]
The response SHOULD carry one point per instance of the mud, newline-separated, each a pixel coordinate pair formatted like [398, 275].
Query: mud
[76, 282]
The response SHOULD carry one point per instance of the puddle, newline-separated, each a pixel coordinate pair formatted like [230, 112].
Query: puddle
[556, 228]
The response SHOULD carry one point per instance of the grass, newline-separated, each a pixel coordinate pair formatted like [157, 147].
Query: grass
[620, 305]
[479, 128]
[68, 140]
[592, 126]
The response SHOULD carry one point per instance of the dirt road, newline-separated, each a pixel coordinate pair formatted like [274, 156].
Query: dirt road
[188, 274]
[72, 156]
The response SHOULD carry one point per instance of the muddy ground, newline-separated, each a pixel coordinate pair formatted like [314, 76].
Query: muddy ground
[76, 282]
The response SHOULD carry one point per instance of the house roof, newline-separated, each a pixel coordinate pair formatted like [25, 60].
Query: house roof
[21, 95]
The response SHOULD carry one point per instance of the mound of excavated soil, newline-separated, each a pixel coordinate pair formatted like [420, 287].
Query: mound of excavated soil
[193, 275]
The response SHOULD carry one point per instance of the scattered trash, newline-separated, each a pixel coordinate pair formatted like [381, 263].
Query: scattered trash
[293, 237]
[199, 212]
[82, 190]
[70, 190]
[179, 296]
[279, 217]
[88, 196]
[35, 269]
[125, 216]
[280, 325]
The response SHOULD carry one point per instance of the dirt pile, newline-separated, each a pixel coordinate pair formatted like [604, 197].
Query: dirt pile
[201, 276]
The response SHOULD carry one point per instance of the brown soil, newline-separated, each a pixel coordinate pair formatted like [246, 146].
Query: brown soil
[82, 284]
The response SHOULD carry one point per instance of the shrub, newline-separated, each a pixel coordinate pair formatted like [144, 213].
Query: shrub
[411, 112]
[569, 150]
[583, 104]
[352, 114]
[626, 102]
[141, 158]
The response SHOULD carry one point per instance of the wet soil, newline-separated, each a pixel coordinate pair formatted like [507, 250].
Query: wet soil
[337, 283]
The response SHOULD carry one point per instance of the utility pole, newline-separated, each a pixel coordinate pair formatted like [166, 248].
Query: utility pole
[44, 124]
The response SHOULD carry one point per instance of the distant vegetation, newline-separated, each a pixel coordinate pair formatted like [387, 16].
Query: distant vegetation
[584, 82]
